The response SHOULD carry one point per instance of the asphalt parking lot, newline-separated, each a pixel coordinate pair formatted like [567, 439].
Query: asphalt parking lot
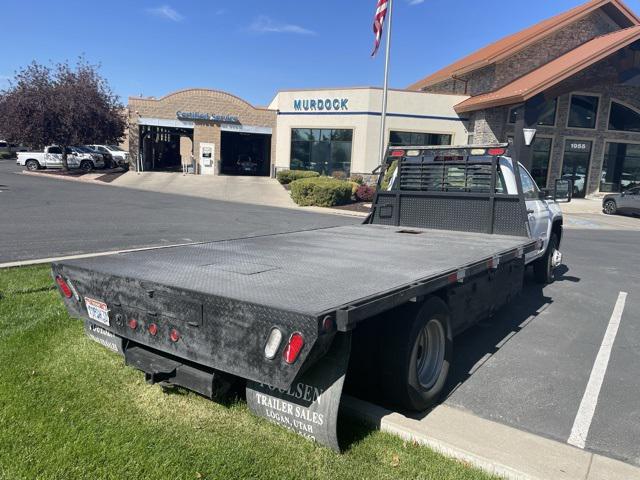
[44, 218]
[529, 367]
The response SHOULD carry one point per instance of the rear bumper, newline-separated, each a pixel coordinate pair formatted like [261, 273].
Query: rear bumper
[215, 333]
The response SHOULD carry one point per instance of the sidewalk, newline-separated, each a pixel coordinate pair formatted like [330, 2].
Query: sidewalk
[262, 190]
[493, 447]
[582, 205]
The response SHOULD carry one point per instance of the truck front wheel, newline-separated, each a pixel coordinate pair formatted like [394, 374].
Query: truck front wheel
[418, 360]
[543, 267]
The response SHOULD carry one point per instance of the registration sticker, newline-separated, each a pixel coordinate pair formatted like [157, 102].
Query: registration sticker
[97, 311]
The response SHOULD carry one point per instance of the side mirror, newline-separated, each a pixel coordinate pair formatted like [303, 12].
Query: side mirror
[563, 191]
[546, 194]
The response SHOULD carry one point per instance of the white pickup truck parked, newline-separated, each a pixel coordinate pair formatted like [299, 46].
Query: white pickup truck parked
[52, 158]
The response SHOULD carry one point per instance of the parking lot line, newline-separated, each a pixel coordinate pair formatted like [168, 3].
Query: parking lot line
[583, 419]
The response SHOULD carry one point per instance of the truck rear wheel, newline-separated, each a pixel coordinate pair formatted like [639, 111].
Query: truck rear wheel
[32, 165]
[418, 359]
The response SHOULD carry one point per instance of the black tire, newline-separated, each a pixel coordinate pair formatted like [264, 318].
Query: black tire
[610, 207]
[402, 379]
[86, 166]
[543, 268]
[32, 165]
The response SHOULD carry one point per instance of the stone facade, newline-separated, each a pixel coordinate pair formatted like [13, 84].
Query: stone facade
[198, 100]
[497, 75]
[601, 80]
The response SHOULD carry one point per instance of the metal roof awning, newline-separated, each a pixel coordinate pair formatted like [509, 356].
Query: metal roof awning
[165, 122]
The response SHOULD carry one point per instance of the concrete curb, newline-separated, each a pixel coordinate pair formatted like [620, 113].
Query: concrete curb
[40, 261]
[492, 447]
[63, 177]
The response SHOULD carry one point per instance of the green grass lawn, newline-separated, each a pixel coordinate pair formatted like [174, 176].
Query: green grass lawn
[71, 409]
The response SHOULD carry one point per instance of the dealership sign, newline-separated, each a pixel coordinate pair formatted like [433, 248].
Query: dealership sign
[207, 116]
[321, 105]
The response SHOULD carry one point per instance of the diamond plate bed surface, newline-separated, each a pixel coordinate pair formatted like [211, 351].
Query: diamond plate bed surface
[310, 271]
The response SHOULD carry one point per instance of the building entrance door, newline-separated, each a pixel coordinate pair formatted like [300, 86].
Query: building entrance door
[575, 165]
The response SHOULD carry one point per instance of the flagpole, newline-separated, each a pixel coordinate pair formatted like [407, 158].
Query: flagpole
[385, 90]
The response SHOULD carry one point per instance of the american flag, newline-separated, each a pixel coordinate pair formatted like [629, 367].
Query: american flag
[378, 22]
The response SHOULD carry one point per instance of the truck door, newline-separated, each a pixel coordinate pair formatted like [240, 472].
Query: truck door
[538, 212]
[53, 157]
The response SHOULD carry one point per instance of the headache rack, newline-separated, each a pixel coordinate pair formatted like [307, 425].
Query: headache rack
[458, 188]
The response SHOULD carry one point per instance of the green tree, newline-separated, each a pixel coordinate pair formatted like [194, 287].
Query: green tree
[61, 105]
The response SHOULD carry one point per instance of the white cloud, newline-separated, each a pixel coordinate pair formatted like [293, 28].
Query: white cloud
[415, 2]
[264, 24]
[166, 12]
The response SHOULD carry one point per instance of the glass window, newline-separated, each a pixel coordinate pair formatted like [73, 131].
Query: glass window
[583, 111]
[547, 115]
[529, 188]
[470, 139]
[541, 155]
[418, 138]
[342, 135]
[575, 165]
[325, 151]
[621, 168]
[55, 150]
[301, 134]
[623, 118]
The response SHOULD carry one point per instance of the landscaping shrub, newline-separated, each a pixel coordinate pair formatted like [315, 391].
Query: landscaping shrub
[287, 176]
[365, 193]
[6, 155]
[357, 179]
[339, 174]
[354, 187]
[320, 192]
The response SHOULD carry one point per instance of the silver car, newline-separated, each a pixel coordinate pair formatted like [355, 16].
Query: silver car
[627, 202]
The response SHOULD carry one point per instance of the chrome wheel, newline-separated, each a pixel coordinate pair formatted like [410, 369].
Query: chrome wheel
[430, 353]
[610, 207]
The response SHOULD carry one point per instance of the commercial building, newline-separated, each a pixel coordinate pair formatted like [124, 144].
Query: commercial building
[335, 132]
[204, 131]
[338, 130]
[575, 80]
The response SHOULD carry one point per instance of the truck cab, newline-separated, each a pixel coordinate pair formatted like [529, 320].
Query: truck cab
[544, 216]
[51, 157]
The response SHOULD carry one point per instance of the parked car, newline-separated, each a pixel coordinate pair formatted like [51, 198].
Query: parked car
[52, 158]
[109, 161]
[626, 202]
[4, 147]
[119, 156]
[246, 164]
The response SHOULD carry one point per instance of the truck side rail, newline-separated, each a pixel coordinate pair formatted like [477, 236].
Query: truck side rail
[450, 188]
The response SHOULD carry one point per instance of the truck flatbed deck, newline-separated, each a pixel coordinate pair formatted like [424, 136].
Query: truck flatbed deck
[310, 272]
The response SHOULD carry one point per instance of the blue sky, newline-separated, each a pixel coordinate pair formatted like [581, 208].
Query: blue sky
[253, 48]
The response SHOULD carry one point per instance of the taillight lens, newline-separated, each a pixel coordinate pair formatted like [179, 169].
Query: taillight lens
[293, 348]
[133, 324]
[496, 151]
[174, 335]
[273, 343]
[153, 329]
[64, 288]
[397, 153]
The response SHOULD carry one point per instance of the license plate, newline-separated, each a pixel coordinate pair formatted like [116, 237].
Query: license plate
[97, 311]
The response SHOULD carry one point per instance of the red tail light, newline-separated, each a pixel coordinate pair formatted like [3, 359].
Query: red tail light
[64, 288]
[293, 348]
[153, 329]
[397, 153]
[496, 151]
[133, 324]
[174, 335]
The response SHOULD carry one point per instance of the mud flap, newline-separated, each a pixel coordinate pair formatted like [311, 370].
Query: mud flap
[310, 407]
[103, 337]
